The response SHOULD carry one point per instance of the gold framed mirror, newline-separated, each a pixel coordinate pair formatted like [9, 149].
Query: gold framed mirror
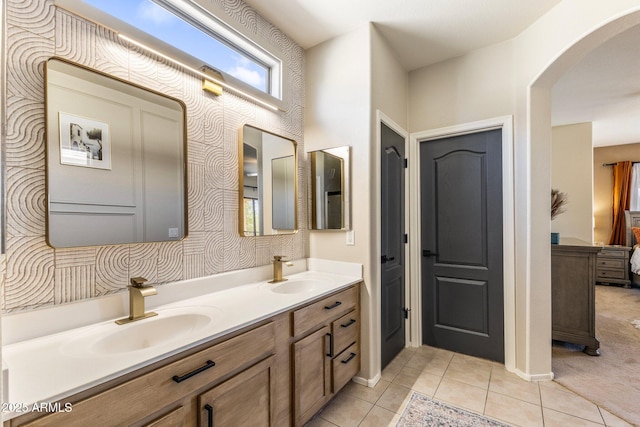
[268, 187]
[116, 160]
[330, 188]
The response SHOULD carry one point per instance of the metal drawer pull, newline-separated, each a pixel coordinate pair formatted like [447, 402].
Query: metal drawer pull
[209, 364]
[331, 307]
[209, 410]
[330, 345]
[349, 323]
[350, 358]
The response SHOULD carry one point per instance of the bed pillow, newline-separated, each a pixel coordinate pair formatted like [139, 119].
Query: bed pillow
[636, 232]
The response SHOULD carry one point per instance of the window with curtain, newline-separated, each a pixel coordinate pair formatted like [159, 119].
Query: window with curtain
[634, 189]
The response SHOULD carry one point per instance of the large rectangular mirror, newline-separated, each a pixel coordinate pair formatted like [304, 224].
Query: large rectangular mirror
[115, 160]
[268, 183]
[330, 198]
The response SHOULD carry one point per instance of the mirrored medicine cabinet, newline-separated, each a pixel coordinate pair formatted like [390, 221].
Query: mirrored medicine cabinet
[268, 186]
[115, 159]
[330, 189]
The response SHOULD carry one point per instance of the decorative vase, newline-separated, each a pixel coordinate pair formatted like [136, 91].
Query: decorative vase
[555, 238]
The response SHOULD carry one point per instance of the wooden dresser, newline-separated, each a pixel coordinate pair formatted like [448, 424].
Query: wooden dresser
[573, 279]
[613, 265]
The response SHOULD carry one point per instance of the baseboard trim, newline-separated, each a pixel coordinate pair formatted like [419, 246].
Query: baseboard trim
[533, 378]
[367, 382]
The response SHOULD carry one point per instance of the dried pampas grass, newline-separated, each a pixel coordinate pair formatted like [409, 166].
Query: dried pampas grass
[558, 202]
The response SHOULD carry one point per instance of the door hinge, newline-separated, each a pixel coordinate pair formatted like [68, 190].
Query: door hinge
[406, 312]
[406, 238]
[406, 163]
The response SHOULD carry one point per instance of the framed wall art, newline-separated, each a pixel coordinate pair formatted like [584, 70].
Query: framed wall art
[84, 142]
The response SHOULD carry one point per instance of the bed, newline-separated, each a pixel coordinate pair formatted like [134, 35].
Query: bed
[632, 219]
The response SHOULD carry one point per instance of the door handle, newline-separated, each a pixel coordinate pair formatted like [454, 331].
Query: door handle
[428, 253]
[386, 258]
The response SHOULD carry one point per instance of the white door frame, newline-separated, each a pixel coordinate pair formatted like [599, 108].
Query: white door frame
[383, 118]
[508, 226]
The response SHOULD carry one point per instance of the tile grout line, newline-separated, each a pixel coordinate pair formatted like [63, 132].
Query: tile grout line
[540, 399]
[486, 396]
[442, 376]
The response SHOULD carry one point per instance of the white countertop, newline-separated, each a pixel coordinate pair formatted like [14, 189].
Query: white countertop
[57, 365]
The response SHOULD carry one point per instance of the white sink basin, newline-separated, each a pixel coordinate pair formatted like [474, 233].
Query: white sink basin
[170, 325]
[297, 286]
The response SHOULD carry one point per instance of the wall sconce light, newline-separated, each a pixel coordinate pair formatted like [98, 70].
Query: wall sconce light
[208, 77]
[209, 85]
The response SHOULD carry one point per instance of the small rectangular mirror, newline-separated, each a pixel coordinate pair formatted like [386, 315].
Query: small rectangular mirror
[115, 160]
[330, 197]
[268, 183]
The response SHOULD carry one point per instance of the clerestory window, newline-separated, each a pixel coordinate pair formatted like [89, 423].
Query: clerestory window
[188, 27]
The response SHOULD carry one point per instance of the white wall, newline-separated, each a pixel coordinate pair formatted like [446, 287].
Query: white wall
[338, 93]
[348, 78]
[469, 88]
[572, 173]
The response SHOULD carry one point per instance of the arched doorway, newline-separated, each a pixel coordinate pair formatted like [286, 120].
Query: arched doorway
[538, 147]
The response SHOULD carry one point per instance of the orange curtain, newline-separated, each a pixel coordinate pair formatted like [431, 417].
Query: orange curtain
[621, 198]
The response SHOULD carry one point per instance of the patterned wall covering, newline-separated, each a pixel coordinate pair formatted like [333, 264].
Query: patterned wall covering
[38, 275]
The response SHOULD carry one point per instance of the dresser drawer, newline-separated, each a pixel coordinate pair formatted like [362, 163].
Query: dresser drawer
[323, 311]
[610, 274]
[148, 393]
[613, 253]
[345, 366]
[611, 263]
[345, 331]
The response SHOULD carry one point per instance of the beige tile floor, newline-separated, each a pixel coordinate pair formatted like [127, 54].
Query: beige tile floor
[474, 384]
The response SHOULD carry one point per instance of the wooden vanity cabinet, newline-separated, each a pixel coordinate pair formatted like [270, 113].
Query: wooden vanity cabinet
[277, 372]
[165, 395]
[325, 348]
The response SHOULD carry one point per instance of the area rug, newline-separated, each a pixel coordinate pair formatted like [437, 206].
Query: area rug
[612, 380]
[424, 411]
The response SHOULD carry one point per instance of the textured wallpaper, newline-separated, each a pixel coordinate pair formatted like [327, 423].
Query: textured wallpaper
[37, 275]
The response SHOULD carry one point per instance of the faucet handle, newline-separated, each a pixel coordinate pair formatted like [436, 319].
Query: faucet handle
[138, 282]
[278, 257]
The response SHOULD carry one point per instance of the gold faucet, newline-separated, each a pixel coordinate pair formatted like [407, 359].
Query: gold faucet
[138, 291]
[277, 268]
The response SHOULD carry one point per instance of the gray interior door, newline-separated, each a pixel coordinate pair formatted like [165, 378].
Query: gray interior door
[461, 243]
[392, 244]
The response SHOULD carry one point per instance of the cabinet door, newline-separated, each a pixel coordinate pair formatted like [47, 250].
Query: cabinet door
[243, 400]
[311, 374]
[174, 418]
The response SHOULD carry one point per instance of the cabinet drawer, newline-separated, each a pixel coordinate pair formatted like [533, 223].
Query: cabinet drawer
[324, 311]
[345, 331]
[611, 274]
[613, 253]
[345, 366]
[148, 393]
[611, 263]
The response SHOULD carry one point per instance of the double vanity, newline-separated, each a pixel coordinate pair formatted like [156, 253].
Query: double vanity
[229, 353]
[229, 349]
